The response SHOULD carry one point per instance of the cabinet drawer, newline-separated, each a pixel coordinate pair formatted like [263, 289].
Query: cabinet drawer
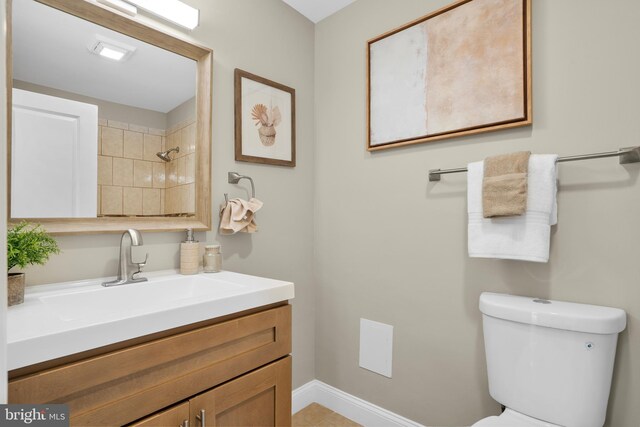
[125, 385]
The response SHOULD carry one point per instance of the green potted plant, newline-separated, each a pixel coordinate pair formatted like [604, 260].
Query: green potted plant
[27, 244]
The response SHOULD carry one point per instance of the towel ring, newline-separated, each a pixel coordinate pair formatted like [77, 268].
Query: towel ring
[234, 178]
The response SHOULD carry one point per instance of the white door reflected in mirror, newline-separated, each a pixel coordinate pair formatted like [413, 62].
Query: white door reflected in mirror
[54, 157]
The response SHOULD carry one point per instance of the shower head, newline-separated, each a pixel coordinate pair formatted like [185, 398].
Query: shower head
[164, 155]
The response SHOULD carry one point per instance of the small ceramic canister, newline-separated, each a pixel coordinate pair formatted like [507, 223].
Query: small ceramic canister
[212, 259]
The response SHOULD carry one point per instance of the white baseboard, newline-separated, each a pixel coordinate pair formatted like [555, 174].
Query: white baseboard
[303, 396]
[354, 408]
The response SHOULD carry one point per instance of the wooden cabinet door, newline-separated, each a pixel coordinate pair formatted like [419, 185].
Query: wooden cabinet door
[177, 416]
[261, 398]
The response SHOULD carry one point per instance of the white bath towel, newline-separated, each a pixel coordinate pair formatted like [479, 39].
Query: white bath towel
[525, 237]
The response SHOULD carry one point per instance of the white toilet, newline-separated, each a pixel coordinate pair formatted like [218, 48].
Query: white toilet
[549, 362]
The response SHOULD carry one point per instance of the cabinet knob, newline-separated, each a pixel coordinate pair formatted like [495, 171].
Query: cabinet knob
[202, 418]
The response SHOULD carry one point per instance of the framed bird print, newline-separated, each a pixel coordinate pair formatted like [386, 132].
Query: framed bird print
[265, 120]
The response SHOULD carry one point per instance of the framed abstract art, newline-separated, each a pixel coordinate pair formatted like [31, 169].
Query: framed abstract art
[461, 70]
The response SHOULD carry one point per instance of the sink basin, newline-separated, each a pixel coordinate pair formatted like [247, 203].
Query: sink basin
[137, 298]
[61, 319]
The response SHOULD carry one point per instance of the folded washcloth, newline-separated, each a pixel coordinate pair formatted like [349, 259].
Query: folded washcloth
[237, 215]
[504, 187]
[525, 237]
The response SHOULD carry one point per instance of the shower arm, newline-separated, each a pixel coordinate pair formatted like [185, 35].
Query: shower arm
[164, 155]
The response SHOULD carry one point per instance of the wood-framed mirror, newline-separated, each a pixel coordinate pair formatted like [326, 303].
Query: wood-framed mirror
[98, 145]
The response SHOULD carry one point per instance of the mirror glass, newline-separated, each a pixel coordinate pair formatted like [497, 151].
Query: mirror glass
[93, 136]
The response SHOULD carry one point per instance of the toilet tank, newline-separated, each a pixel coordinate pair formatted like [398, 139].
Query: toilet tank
[550, 360]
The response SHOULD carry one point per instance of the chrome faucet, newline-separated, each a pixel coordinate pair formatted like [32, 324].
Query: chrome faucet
[126, 266]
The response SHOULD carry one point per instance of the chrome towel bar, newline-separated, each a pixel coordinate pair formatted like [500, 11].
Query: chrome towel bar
[627, 155]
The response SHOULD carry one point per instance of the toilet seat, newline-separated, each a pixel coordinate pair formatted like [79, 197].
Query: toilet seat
[511, 418]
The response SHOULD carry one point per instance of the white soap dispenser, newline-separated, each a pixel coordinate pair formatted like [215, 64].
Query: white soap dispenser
[189, 254]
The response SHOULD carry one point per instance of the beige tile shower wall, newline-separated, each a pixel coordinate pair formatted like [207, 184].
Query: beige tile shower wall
[404, 261]
[180, 172]
[131, 178]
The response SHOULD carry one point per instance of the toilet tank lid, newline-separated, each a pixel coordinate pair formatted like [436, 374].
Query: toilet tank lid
[554, 314]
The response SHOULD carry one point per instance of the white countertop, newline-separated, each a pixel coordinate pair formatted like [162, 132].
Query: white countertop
[61, 319]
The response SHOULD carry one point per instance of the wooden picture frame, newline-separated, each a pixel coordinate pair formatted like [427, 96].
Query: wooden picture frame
[265, 121]
[461, 70]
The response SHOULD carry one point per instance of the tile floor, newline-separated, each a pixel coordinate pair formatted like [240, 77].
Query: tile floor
[316, 415]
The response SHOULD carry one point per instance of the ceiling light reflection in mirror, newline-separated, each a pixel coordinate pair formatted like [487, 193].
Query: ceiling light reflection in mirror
[52, 49]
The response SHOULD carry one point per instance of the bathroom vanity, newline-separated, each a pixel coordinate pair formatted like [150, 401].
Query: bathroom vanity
[178, 351]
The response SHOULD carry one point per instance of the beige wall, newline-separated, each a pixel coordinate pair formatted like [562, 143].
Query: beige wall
[255, 35]
[183, 112]
[391, 246]
[106, 110]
